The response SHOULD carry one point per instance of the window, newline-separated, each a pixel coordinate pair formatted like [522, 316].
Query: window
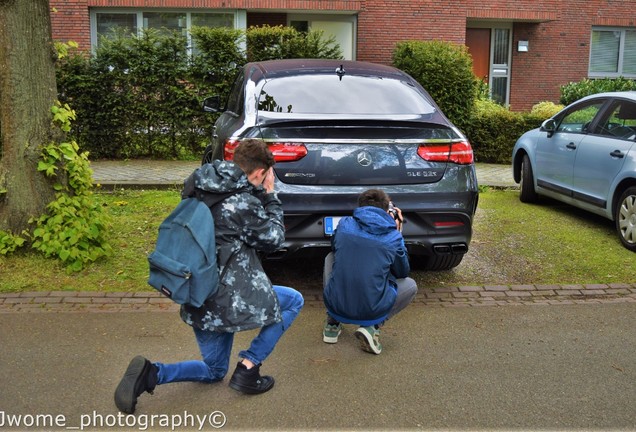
[613, 53]
[327, 94]
[579, 119]
[620, 122]
[105, 22]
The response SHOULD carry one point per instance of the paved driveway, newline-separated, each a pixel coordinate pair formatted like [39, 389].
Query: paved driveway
[561, 367]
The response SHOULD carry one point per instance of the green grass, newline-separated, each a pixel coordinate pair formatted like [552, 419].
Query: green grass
[513, 243]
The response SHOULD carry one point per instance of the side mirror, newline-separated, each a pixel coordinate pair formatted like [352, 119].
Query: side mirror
[549, 126]
[212, 104]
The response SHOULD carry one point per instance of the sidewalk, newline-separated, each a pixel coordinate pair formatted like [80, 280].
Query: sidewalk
[159, 174]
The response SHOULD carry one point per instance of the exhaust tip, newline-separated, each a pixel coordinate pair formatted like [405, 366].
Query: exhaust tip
[459, 248]
[442, 249]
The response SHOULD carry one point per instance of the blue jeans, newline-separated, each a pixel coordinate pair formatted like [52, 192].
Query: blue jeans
[216, 347]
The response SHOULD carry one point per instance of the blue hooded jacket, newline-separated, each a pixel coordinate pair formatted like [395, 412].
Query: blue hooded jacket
[369, 255]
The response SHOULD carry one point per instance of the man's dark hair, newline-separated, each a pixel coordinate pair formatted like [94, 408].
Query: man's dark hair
[253, 154]
[375, 198]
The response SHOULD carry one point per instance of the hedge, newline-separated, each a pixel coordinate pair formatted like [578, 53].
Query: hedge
[140, 96]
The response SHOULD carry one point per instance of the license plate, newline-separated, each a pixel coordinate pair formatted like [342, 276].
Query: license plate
[330, 224]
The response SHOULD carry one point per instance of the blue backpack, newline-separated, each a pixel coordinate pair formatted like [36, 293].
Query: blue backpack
[183, 265]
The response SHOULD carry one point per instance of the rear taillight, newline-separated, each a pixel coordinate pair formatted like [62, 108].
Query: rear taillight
[458, 152]
[283, 152]
[229, 148]
[288, 152]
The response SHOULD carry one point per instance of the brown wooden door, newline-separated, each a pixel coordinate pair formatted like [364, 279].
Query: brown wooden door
[478, 43]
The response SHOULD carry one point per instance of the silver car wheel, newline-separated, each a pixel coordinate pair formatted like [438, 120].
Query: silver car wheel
[626, 218]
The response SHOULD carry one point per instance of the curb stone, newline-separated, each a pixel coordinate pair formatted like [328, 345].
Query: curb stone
[459, 296]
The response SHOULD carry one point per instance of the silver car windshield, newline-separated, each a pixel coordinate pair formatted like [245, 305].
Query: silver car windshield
[328, 94]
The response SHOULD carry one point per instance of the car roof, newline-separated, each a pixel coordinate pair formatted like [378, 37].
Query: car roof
[631, 94]
[278, 68]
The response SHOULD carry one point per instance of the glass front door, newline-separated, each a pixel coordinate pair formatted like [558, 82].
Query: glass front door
[490, 48]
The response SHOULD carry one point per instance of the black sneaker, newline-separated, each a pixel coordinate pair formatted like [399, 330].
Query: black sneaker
[141, 376]
[250, 381]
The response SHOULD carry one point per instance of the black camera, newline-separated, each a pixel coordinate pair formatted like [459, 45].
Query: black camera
[393, 212]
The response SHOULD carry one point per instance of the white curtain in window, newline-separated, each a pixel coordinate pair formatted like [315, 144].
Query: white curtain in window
[605, 49]
[629, 53]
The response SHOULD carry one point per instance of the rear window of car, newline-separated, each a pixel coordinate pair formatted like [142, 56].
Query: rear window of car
[328, 94]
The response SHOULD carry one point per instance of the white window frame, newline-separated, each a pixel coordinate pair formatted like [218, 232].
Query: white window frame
[240, 18]
[347, 18]
[497, 70]
[621, 52]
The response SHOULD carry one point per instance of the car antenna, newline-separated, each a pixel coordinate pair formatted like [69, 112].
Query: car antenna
[340, 72]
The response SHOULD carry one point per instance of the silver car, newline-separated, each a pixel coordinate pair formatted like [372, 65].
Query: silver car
[585, 156]
[338, 128]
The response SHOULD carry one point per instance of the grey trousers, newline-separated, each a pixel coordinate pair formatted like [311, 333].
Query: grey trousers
[406, 289]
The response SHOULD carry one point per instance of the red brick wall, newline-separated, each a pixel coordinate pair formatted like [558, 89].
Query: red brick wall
[558, 32]
[70, 21]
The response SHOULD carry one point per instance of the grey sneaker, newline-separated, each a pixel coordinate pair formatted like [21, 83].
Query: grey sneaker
[331, 332]
[369, 338]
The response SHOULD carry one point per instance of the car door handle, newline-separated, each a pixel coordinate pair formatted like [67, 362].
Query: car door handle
[571, 146]
[617, 154]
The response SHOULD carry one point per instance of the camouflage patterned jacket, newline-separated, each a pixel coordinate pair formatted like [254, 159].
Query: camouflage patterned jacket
[247, 220]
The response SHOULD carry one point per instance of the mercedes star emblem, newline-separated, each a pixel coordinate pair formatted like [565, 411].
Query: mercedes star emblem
[364, 158]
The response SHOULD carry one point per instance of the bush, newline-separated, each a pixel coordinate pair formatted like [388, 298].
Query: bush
[576, 90]
[494, 129]
[445, 71]
[141, 96]
[545, 110]
[271, 43]
[134, 98]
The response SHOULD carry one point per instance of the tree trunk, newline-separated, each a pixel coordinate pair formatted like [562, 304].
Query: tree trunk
[27, 92]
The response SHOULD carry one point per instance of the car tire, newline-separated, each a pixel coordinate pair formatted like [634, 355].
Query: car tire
[625, 218]
[207, 155]
[527, 194]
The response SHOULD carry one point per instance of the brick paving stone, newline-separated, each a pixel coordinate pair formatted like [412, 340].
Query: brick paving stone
[456, 305]
[146, 294]
[497, 288]
[106, 300]
[16, 300]
[543, 293]
[444, 289]
[595, 286]
[439, 295]
[592, 292]
[568, 292]
[620, 285]
[547, 287]
[91, 294]
[134, 300]
[35, 294]
[470, 288]
[119, 294]
[163, 300]
[571, 287]
[518, 293]
[523, 287]
[617, 291]
[78, 300]
[493, 294]
[465, 294]
[63, 294]
[10, 295]
[53, 300]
